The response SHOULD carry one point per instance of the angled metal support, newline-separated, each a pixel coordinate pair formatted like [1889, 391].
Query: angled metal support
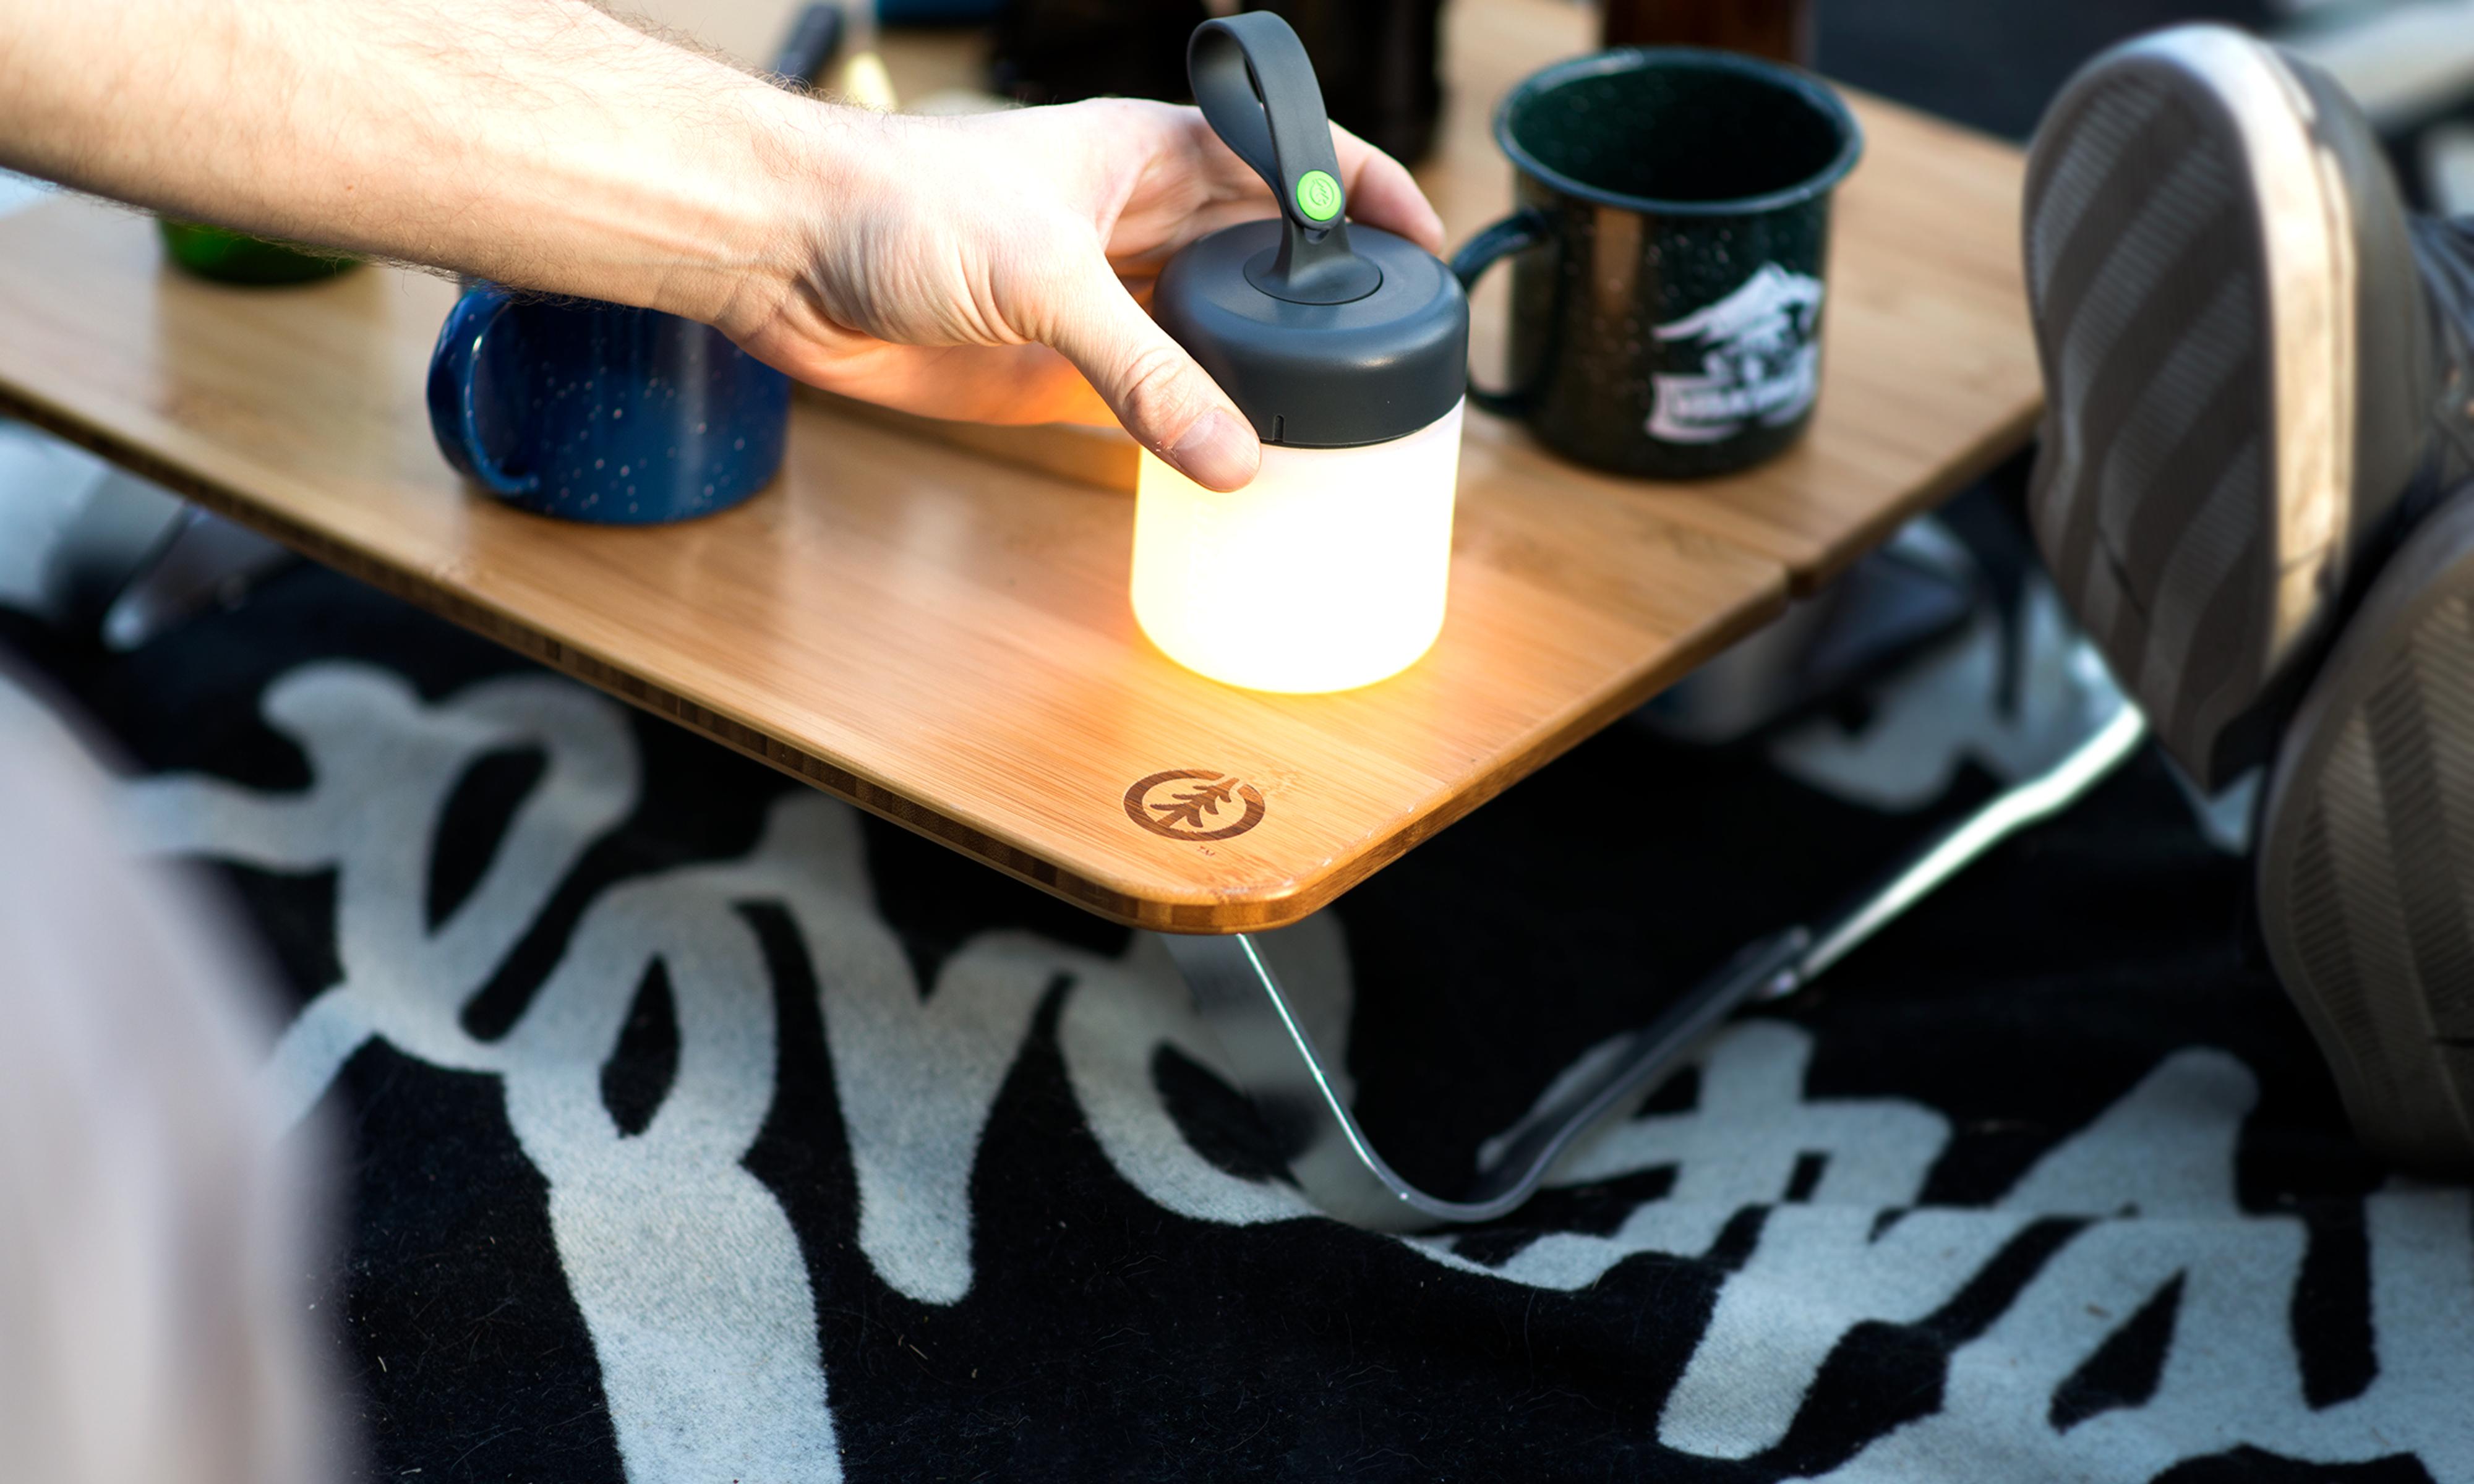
[205, 561]
[1269, 1050]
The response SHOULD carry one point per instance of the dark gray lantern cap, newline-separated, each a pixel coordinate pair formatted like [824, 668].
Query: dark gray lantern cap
[1325, 334]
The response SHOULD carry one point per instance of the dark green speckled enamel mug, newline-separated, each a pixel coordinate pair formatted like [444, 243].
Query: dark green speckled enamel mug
[1669, 252]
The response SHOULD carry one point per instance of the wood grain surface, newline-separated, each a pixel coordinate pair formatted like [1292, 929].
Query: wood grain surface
[942, 639]
[946, 639]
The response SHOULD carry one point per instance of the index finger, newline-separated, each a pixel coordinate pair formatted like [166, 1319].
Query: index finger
[1382, 194]
[1379, 188]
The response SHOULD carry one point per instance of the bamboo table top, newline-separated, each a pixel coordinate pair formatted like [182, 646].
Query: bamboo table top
[945, 637]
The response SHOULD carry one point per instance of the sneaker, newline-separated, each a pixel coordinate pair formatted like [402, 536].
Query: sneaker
[2366, 852]
[2257, 372]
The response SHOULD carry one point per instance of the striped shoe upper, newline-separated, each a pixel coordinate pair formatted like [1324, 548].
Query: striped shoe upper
[2143, 264]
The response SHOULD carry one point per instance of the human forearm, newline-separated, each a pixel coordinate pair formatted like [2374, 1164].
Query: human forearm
[966, 268]
[536, 141]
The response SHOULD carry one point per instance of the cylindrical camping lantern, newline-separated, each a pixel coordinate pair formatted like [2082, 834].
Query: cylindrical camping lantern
[1325, 573]
[1346, 348]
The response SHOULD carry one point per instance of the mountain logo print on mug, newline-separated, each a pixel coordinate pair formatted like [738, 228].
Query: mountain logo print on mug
[1760, 360]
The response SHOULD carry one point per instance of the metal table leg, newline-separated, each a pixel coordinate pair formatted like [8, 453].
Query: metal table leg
[1275, 1062]
[207, 560]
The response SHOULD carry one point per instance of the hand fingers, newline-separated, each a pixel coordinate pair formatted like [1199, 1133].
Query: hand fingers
[1382, 194]
[1004, 384]
[1008, 385]
[1163, 399]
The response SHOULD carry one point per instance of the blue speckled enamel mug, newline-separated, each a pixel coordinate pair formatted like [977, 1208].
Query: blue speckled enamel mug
[601, 413]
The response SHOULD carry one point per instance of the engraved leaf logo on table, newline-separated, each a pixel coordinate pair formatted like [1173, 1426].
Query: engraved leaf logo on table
[1195, 803]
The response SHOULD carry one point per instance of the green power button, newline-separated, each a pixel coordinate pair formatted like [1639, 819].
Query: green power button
[1317, 194]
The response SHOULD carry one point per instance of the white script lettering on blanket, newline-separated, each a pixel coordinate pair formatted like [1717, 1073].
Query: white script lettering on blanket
[701, 1311]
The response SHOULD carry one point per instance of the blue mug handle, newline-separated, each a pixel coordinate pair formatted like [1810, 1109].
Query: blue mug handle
[453, 417]
[1518, 233]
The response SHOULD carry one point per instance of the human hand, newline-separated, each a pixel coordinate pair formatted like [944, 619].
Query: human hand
[992, 266]
[989, 267]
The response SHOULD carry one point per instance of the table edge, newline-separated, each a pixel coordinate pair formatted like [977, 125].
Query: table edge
[1275, 905]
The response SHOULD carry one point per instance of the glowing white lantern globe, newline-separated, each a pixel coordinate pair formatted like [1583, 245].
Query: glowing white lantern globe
[1329, 572]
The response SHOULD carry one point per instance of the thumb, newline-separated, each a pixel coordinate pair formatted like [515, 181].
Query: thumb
[1164, 399]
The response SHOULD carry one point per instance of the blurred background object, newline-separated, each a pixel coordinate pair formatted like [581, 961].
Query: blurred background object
[1920, 588]
[2448, 167]
[153, 1224]
[237, 257]
[2411, 64]
[935, 12]
[814, 38]
[1377, 59]
[202, 562]
[1781, 30]
[100, 554]
[2405, 63]
[1063, 51]
[1379, 64]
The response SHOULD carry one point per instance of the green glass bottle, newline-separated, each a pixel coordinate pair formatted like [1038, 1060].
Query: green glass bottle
[234, 257]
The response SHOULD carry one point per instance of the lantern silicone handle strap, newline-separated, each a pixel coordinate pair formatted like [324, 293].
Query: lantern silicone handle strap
[1257, 90]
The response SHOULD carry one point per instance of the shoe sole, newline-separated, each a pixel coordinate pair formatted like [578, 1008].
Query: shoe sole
[2366, 852]
[2190, 261]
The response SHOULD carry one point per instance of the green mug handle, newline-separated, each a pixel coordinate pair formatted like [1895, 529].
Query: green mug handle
[1518, 233]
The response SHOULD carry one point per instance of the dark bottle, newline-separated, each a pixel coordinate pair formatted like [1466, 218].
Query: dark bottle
[1781, 30]
[1377, 59]
[1059, 51]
